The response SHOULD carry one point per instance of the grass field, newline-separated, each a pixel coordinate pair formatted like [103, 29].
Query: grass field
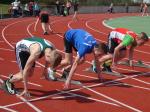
[135, 23]
[4, 8]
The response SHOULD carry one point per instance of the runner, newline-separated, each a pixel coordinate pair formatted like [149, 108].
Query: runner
[44, 17]
[145, 10]
[28, 51]
[118, 40]
[83, 43]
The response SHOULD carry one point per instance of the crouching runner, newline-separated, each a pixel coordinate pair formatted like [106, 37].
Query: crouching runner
[28, 51]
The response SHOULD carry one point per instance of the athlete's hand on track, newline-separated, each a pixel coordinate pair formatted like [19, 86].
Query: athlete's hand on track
[24, 93]
[131, 63]
[67, 85]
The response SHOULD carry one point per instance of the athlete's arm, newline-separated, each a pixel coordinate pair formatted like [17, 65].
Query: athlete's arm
[97, 63]
[131, 51]
[34, 55]
[73, 68]
[45, 69]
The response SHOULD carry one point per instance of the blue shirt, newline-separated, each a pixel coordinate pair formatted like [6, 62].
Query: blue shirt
[83, 41]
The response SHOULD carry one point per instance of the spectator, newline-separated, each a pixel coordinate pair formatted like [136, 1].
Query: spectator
[58, 7]
[62, 9]
[145, 10]
[68, 6]
[110, 10]
[36, 9]
[15, 7]
[141, 7]
[127, 7]
[31, 8]
[75, 5]
[26, 10]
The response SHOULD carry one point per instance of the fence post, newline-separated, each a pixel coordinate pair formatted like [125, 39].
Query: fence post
[1, 13]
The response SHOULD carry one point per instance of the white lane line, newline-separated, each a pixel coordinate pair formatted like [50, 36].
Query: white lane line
[34, 84]
[6, 49]
[14, 43]
[1, 59]
[30, 104]
[125, 84]
[95, 85]
[14, 61]
[112, 99]
[2, 41]
[8, 109]
[81, 96]
[142, 81]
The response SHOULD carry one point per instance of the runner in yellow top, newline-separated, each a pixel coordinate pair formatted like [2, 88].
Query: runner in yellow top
[28, 51]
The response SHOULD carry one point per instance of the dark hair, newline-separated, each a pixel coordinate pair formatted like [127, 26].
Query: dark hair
[57, 57]
[144, 36]
[102, 46]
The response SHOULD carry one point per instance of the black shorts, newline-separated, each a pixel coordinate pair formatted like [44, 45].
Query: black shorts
[22, 57]
[112, 44]
[44, 18]
[68, 46]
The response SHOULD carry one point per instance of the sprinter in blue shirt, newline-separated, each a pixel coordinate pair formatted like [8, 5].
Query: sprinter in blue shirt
[83, 43]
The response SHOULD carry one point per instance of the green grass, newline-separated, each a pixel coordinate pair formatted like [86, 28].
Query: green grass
[135, 23]
[4, 8]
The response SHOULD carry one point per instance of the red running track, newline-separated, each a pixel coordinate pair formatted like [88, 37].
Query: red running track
[127, 94]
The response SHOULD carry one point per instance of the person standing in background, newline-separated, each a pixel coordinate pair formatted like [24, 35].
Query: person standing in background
[75, 5]
[68, 6]
[58, 7]
[36, 9]
[127, 7]
[26, 10]
[15, 7]
[110, 10]
[145, 10]
[44, 18]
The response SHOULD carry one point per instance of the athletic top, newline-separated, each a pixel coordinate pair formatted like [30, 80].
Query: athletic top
[24, 45]
[15, 5]
[83, 41]
[123, 35]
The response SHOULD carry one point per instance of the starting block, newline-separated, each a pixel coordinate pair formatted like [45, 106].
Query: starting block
[137, 64]
[113, 73]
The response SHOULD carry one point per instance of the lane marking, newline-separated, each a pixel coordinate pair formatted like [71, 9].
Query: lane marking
[6, 49]
[30, 104]
[34, 84]
[8, 109]
[112, 99]
[81, 96]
